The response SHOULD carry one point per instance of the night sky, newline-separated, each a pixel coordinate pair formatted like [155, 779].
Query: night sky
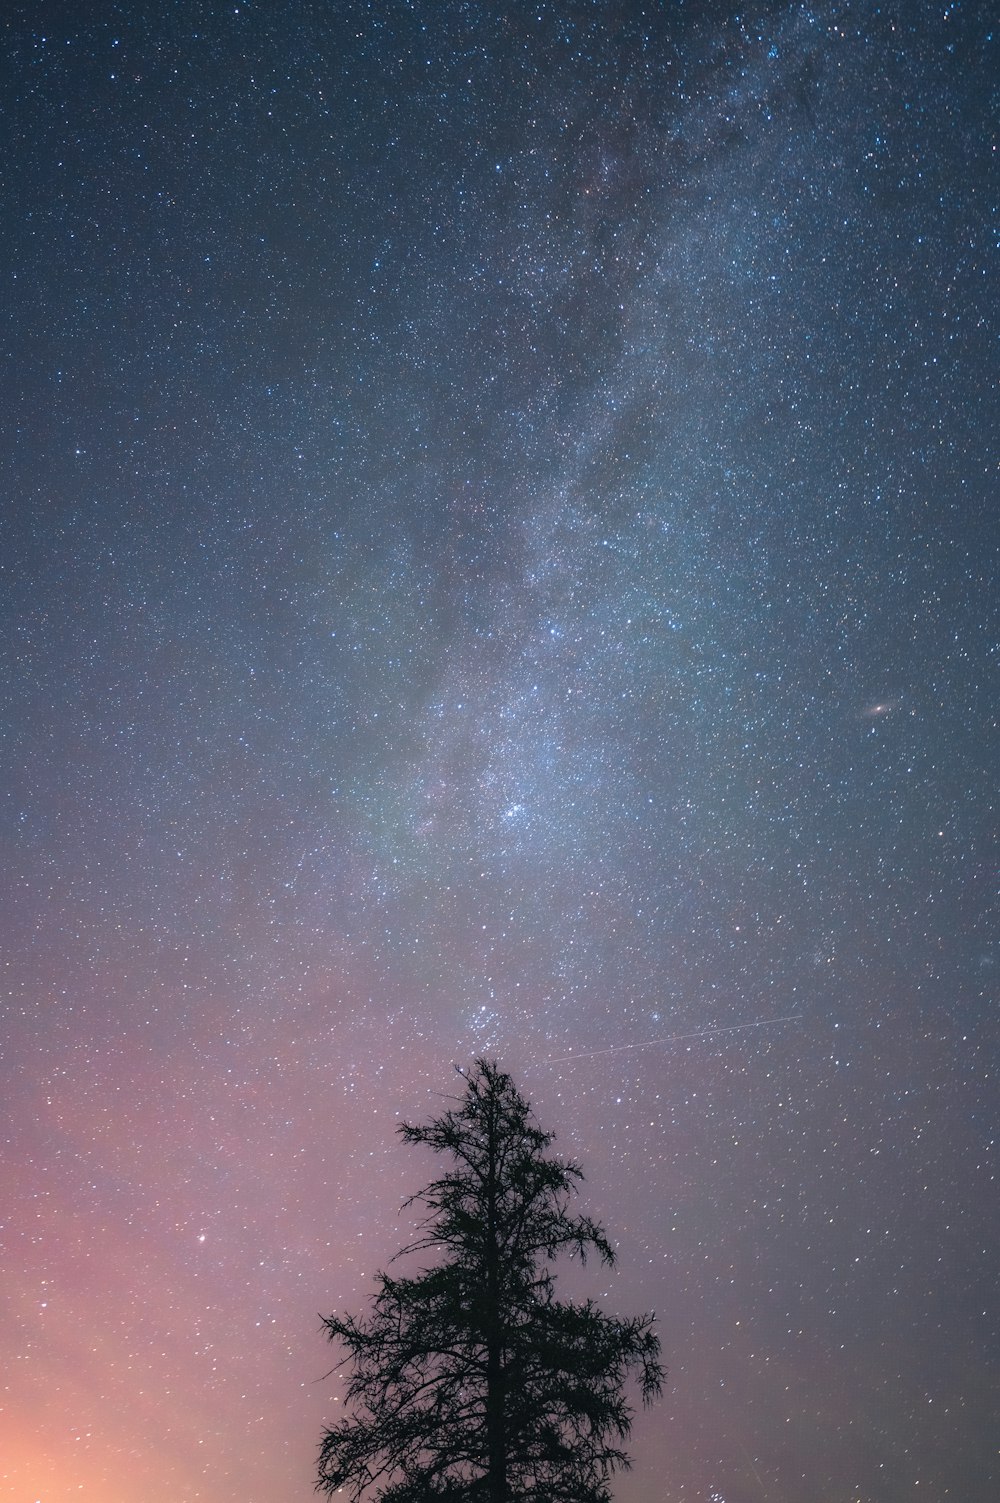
[500, 559]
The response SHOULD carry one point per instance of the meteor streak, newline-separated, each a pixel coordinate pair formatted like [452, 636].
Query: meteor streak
[671, 1038]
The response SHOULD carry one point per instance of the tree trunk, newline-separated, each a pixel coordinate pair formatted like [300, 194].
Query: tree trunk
[496, 1404]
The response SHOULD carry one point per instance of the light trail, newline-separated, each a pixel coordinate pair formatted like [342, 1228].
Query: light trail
[671, 1038]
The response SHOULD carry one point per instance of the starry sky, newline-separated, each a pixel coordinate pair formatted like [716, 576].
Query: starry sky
[499, 559]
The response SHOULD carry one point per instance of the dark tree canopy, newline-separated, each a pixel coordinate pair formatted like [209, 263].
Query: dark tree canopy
[472, 1380]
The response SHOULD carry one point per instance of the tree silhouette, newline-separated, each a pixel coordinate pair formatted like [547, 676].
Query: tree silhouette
[472, 1380]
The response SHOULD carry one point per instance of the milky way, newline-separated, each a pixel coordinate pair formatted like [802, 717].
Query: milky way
[500, 560]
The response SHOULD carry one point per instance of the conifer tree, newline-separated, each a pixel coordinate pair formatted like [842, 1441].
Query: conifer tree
[471, 1380]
